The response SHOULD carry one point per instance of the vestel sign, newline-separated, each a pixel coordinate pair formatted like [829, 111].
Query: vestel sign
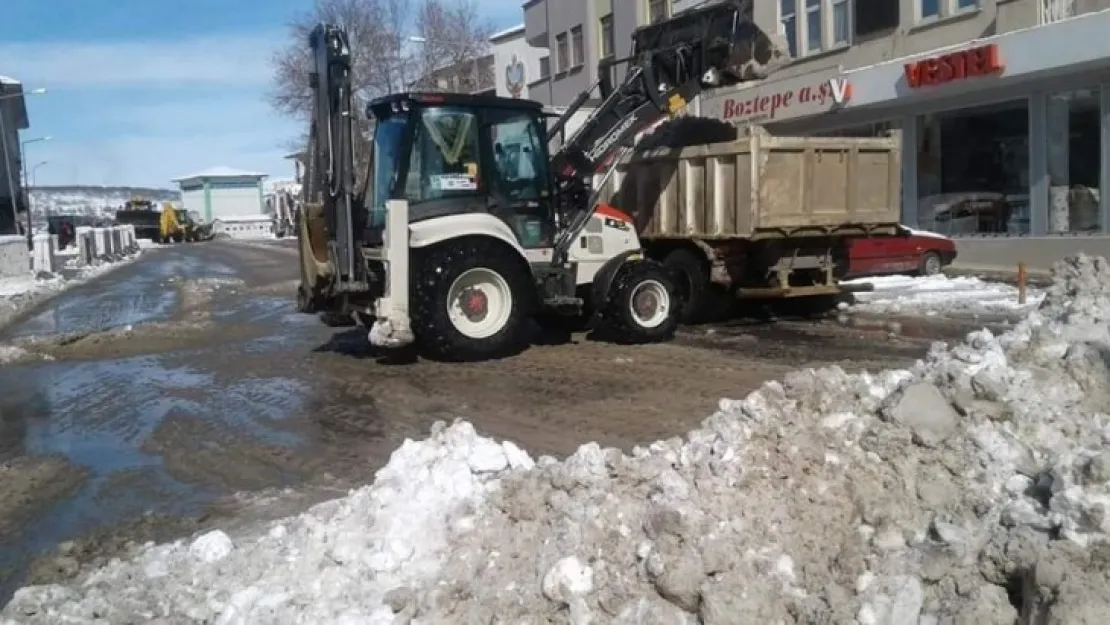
[939, 70]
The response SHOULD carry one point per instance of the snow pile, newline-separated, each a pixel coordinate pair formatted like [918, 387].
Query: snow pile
[334, 564]
[941, 294]
[972, 489]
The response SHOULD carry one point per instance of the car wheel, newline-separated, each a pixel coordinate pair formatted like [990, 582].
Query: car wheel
[930, 265]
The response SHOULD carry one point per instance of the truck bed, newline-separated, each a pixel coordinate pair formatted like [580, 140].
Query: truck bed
[762, 187]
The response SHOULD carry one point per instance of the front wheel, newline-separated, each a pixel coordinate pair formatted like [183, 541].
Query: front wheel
[471, 301]
[643, 306]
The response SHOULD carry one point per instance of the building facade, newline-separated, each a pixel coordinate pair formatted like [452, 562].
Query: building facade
[13, 118]
[1003, 106]
[223, 193]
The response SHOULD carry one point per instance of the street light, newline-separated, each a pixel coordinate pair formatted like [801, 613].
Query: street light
[35, 169]
[38, 91]
[8, 162]
[28, 190]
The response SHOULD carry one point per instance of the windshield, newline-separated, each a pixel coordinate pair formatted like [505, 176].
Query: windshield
[388, 137]
[444, 158]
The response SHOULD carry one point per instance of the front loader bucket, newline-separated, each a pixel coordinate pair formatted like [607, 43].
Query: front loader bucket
[731, 42]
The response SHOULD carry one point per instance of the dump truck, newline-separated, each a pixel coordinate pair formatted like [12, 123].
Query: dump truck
[140, 213]
[472, 225]
[751, 215]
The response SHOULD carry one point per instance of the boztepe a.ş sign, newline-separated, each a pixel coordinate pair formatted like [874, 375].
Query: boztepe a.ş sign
[782, 100]
[946, 68]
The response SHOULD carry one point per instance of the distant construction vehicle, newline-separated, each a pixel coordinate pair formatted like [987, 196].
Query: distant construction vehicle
[139, 212]
[176, 225]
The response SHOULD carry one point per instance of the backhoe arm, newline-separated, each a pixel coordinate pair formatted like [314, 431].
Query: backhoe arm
[329, 182]
[671, 62]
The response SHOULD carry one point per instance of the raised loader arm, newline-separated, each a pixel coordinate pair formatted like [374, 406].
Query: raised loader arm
[672, 61]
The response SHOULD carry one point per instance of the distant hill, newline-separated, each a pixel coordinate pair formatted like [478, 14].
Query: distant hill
[91, 201]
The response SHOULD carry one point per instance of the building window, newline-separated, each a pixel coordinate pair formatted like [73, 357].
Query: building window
[561, 50]
[607, 40]
[841, 29]
[788, 23]
[936, 9]
[577, 46]
[811, 26]
[1074, 159]
[545, 66]
[973, 170]
[657, 11]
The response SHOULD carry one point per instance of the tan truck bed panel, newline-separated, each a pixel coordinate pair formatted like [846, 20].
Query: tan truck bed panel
[761, 186]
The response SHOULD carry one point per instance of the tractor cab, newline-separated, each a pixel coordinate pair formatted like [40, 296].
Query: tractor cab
[453, 154]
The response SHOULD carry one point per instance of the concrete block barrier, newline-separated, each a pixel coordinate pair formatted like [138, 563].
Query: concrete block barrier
[42, 256]
[86, 248]
[118, 249]
[15, 260]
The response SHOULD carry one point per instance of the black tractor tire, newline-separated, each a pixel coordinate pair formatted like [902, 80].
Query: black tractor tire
[701, 299]
[434, 273]
[621, 324]
[930, 265]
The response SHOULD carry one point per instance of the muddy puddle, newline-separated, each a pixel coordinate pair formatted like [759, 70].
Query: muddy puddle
[162, 397]
[174, 427]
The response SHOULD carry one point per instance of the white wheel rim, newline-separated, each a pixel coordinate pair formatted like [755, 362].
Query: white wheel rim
[650, 304]
[932, 265]
[479, 303]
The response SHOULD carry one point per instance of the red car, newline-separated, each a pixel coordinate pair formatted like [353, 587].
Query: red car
[911, 251]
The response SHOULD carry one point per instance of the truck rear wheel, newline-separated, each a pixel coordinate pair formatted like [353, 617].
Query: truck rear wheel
[471, 301]
[643, 306]
[701, 299]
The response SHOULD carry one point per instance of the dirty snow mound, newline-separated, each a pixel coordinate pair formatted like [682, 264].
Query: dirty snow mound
[972, 489]
[334, 564]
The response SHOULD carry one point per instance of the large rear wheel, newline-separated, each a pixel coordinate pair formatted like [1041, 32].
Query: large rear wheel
[643, 304]
[471, 300]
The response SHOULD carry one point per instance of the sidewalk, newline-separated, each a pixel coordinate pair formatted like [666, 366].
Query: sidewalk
[1034, 277]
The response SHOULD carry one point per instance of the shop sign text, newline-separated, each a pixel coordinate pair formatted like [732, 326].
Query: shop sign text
[939, 70]
[764, 106]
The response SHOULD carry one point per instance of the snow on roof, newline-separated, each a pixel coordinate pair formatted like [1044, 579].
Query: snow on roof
[519, 28]
[222, 172]
[7, 80]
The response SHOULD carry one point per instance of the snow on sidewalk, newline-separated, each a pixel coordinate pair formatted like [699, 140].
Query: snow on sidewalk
[942, 295]
[972, 488]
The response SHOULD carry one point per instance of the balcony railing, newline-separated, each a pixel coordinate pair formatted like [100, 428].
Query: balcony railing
[1056, 10]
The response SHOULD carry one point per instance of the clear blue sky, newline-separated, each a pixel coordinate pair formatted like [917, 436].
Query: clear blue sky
[143, 91]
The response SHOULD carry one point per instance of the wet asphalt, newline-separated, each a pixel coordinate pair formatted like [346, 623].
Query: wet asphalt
[109, 416]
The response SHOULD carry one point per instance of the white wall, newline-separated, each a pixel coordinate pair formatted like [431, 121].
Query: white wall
[232, 202]
[504, 50]
[193, 201]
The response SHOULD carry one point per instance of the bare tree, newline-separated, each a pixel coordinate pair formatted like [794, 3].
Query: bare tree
[455, 45]
[384, 57]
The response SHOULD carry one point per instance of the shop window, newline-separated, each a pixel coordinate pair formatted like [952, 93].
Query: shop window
[973, 170]
[1074, 159]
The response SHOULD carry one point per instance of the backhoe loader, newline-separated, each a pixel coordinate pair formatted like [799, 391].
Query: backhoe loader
[468, 226]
